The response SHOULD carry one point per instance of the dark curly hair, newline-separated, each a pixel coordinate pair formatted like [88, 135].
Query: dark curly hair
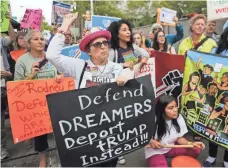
[114, 30]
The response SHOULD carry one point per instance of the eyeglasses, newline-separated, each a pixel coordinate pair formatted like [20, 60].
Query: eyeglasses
[161, 36]
[99, 44]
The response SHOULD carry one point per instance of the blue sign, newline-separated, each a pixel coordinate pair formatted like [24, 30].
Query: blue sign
[75, 52]
[103, 21]
[59, 10]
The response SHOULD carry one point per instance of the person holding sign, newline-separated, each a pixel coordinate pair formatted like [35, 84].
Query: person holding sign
[161, 43]
[123, 50]
[97, 70]
[33, 65]
[171, 129]
[197, 41]
[171, 38]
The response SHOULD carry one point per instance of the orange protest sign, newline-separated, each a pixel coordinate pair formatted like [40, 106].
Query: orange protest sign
[29, 115]
[16, 54]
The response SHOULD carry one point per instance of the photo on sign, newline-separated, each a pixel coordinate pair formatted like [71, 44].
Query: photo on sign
[59, 10]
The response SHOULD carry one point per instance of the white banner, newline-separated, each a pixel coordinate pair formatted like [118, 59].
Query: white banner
[217, 9]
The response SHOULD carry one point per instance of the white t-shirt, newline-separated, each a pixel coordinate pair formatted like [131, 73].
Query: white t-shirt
[169, 138]
[97, 75]
[93, 75]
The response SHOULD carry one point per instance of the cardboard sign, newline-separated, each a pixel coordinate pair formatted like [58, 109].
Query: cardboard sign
[17, 53]
[166, 17]
[32, 19]
[29, 115]
[217, 9]
[59, 10]
[205, 96]
[98, 124]
[4, 22]
[103, 21]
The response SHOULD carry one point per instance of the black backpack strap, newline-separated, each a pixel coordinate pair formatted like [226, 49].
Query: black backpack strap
[200, 43]
[83, 71]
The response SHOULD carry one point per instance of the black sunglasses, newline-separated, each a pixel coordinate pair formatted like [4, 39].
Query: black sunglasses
[99, 44]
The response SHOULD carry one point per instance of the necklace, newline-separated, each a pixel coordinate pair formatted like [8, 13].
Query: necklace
[99, 68]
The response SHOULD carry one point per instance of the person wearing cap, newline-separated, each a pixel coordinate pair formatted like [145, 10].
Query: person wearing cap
[96, 44]
[95, 71]
[197, 28]
[210, 30]
[171, 38]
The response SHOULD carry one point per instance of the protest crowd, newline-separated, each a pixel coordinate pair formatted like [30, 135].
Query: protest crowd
[124, 95]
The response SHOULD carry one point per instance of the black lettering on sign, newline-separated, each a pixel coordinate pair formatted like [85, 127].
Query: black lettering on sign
[100, 123]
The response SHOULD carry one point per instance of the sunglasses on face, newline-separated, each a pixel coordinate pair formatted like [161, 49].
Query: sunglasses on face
[99, 44]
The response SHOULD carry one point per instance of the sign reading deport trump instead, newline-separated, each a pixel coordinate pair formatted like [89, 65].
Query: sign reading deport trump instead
[97, 124]
[29, 115]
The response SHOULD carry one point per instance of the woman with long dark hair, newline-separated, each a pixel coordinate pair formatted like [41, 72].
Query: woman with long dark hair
[170, 129]
[161, 44]
[123, 50]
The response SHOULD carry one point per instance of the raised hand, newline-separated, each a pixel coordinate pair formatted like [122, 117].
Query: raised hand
[68, 20]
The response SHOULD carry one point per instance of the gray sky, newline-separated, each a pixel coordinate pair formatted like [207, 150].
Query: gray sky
[18, 7]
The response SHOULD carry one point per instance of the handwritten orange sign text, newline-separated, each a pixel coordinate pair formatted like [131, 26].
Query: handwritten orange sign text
[29, 115]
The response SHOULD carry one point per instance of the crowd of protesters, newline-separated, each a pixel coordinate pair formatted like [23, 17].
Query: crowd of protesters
[110, 52]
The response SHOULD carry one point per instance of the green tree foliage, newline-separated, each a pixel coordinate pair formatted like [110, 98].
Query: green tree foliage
[105, 8]
[45, 25]
[140, 12]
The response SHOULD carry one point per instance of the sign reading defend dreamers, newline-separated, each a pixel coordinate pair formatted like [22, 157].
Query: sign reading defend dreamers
[98, 124]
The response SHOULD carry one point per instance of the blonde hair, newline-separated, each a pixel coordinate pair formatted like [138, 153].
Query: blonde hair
[195, 18]
[143, 39]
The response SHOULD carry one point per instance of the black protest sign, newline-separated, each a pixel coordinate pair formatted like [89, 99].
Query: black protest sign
[98, 124]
